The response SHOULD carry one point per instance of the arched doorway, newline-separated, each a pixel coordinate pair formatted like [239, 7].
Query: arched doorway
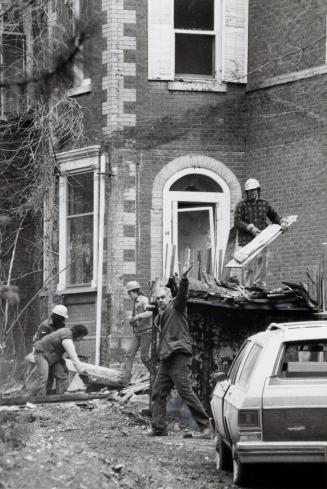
[196, 221]
[175, 171]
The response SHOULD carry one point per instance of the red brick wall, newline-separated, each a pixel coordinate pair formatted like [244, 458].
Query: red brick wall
[280, 27]
[286, 129]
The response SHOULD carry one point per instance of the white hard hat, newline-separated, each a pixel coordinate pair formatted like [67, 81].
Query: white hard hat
[60, 310]
[133, 285]
[251, 184]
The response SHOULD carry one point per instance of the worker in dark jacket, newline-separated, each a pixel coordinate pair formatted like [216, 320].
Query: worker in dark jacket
[53, 323]
[48, 354]
[175, 352]
[250, 219]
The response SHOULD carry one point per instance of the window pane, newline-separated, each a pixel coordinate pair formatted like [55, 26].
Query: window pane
[249, 365]
[237, 361]
[194, 14]
[194, 55]
[80, 249]
[80, 193]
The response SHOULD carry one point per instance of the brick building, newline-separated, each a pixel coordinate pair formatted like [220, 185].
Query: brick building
[184, 101]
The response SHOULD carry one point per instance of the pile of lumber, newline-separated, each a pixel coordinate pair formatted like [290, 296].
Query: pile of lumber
[140, 384]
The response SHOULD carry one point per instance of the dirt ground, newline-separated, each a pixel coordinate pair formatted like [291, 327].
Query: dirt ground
[100, 445]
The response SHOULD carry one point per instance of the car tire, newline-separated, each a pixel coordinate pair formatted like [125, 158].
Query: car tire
[239, 472]
[224, 459]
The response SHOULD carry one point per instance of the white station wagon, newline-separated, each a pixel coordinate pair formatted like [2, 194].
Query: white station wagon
[272, 405]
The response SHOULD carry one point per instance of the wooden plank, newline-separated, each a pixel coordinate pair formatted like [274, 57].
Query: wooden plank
[76, 396]
[172, 261]
[200, 264]
[230, 248]
[257, 244]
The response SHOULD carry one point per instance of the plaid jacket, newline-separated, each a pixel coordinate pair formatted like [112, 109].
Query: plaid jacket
[253, 212]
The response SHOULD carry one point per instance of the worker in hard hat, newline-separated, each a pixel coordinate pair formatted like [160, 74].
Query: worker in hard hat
[141, 322]
[56, 321]
[251, 217]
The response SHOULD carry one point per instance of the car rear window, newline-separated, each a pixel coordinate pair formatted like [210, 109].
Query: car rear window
[304, 359]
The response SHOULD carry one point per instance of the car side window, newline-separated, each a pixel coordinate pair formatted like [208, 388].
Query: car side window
[237, 361]
[249, 365]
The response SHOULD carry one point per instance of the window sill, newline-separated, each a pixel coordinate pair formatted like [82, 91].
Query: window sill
[84, 87]
[76, 290]
[197, 86]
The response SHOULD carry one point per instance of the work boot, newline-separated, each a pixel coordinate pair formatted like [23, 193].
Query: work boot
[205, 433]
[156, 432]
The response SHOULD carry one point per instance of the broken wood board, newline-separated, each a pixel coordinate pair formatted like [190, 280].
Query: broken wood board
[258, 244]
[80, 396]
[127, 393]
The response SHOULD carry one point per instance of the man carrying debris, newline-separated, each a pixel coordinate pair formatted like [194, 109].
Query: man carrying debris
[48, 353]
[175, 352]
[250, 219]
[141, 321]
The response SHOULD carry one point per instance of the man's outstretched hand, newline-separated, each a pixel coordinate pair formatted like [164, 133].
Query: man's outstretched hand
[187, 267]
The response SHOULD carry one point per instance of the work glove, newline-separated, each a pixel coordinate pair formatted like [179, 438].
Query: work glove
[284, 225]
[253, 229]
[85, 377]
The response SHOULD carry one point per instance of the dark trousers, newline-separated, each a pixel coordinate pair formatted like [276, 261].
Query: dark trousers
[175, 370]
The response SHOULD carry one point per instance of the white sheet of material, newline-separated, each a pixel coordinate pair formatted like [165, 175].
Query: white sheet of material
[260, 242]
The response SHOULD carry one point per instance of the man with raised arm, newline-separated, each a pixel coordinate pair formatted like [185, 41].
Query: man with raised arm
[175, 353]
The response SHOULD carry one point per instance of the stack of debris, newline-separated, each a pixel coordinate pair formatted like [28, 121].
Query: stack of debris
[232, 295]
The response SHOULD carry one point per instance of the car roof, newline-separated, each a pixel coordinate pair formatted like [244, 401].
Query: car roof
[301, 330]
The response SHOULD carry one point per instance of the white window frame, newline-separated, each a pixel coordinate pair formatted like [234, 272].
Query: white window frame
[216, 33]
[170, 205]
[75, 162]
[80, 85]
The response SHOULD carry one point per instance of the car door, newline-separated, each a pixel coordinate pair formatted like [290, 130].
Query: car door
[222, 389]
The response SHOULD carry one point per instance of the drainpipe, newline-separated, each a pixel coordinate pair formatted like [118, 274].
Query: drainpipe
[100, 260]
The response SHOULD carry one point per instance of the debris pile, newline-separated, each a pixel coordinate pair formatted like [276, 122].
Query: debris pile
[232, 295]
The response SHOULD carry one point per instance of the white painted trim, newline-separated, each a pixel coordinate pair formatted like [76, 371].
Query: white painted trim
[84, 87]
[71, 162]
[211, 225]
[98, 325]
[79, 154]
[220, 199]
[62, 233]
[188, 161]
[197, 86]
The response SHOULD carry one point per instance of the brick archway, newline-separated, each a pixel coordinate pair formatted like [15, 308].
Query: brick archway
[173, 167]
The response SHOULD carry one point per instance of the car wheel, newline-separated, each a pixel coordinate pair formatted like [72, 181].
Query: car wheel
[224, 459]
[239, 472]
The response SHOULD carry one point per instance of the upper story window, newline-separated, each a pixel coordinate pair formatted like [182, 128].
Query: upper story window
[12, 61]
[199, 41]
[195, 38]
[69, 13]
